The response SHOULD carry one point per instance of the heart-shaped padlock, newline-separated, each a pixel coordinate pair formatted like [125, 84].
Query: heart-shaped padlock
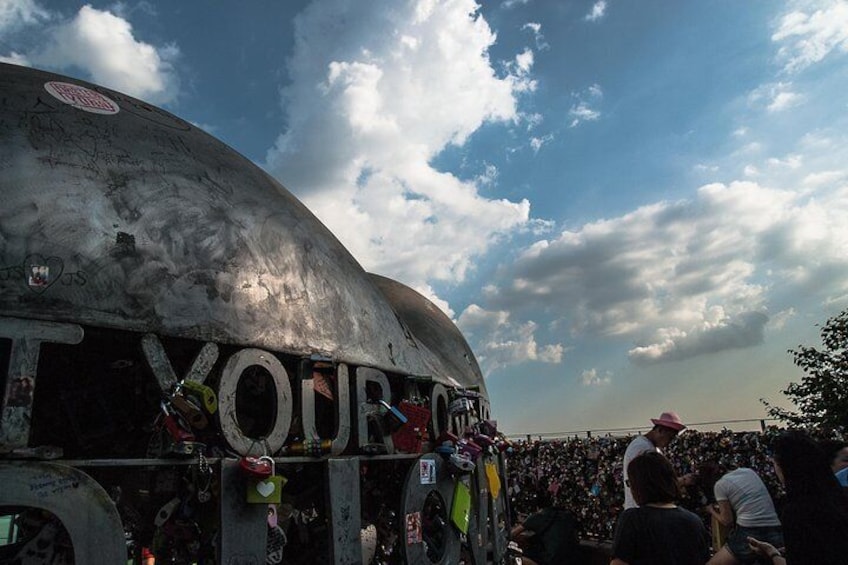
[267, 490]
[257, 467]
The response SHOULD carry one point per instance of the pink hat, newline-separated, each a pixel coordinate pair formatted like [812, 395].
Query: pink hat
[669, 420]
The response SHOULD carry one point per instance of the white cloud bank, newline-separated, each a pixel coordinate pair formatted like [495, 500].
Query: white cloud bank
[99, 43]
[368, 111]
[680, 279]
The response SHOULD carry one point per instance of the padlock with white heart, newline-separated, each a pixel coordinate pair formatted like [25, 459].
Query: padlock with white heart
[266, 490]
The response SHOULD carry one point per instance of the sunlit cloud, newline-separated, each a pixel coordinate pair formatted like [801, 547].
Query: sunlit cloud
[367, 113]
[687, 278]
[104, 46]
[500, 343]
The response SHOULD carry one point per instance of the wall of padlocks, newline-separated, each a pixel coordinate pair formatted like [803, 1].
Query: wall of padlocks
[200, 453]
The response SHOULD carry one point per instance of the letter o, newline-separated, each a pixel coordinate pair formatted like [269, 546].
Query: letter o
[230, 377]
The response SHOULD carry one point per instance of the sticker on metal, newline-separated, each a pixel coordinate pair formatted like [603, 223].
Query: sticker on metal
[82, 98]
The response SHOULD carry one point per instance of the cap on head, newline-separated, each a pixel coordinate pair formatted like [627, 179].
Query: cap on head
[669, 420]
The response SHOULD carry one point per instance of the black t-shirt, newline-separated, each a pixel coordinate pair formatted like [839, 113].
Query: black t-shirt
[555, 540]
[661, 536]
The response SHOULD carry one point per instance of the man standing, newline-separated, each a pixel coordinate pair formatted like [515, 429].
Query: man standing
[665, 429]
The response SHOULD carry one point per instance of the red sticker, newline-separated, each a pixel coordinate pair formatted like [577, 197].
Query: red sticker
[82, 98]
[413, 528]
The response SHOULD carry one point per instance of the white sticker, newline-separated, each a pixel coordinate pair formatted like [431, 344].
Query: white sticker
[81, 98]
[427, 471]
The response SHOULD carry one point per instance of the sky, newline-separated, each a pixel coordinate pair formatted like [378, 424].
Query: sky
[627, 207]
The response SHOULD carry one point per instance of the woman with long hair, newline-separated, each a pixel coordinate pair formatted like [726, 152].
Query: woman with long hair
[815, 514]
[658, 532]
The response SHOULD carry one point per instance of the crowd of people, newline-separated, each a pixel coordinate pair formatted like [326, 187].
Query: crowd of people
[586, 475]
[733, 479]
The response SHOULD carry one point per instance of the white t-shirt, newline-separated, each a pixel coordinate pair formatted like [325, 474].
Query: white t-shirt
[638, 446]
[748, 496]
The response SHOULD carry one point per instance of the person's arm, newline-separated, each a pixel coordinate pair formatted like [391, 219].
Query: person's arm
[766, 550]
[724, 513]
[617, 561]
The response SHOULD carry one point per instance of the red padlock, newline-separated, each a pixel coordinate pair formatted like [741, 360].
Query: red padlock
[257, 467]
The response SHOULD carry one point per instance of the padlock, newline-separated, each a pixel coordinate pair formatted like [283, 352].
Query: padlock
[469, 449]
[257, 467]
[268, 490]
[393, 417]
[461, 463]
[204, 393]
[459, 406]
[374, 449]
[310, 447]
[445, 450]
[460, 513]
[489, 428]
[493, 479]
[164, 513]
[187, 447]
[191, 413]
[177, 432]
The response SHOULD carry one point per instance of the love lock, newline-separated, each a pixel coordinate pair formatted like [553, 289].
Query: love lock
[257, 467]
[266, 490]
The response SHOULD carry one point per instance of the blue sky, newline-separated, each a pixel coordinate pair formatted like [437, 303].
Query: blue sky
[627, 207]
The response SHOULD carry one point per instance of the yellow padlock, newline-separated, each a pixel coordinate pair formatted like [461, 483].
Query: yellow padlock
[493, 479]
[266, 491]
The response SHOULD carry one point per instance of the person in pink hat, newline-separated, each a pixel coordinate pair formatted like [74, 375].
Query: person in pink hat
[665, 429]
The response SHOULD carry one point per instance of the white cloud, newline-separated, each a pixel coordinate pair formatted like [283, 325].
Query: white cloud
[536, 28]
[15, 58]
[103, 45]
[779, 320]
[507, 4]
[591, 377]
[705, 168]
[15, 14]
[598, 10]
[367, 113]
[775, 97]
[582, 111]
[536, 143]
[811, 33]
[501, 343]
[792, 161]
[745, 330]
[679, 279]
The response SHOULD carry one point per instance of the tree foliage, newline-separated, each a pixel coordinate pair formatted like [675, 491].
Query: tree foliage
[821, 397]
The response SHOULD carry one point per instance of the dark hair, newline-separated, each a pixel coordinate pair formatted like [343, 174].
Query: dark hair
[543, 497]
[709, 472]
[804, 465]
[652, 479]
[831, 448]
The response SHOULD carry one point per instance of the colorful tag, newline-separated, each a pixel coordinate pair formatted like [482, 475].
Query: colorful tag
[413, 528]
[427, 471]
